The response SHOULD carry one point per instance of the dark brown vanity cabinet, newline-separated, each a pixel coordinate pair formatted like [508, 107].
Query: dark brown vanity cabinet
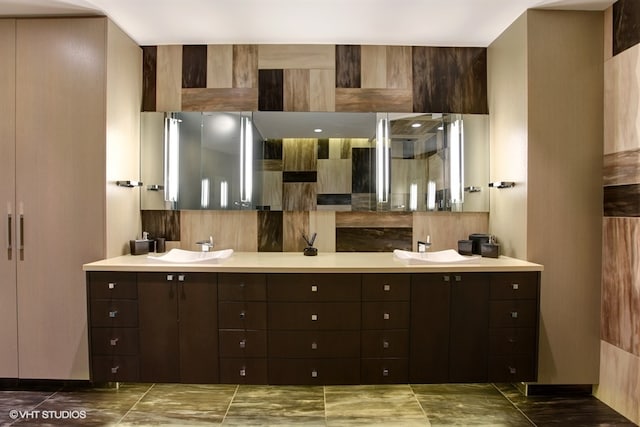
[178, 327]
[385, 328]
[314, 328]
[113, 322]
[242, 317]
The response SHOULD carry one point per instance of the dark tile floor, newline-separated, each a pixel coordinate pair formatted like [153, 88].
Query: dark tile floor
[393, 405]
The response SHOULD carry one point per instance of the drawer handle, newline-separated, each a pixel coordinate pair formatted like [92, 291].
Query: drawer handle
[314, 288]
[242, 285]
[385, 344]
[385, 372]
[314, 317]
[314, 346]
[111, 285]
[515, 286]
[446, 278]
[180, 277]
[243, 343]
[512, 340]
[386, 316]
[386, 287]
[113, 342]
[169, 277]
[243, 315]
[243, 371]
[314, 373]
[514, 314]
[458, 278]
[113, 313]
[512, 370]
[115, 369]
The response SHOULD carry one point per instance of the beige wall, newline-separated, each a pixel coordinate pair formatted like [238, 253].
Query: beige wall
[545, 98]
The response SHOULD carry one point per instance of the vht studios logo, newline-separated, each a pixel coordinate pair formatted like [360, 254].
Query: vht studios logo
[14, 414]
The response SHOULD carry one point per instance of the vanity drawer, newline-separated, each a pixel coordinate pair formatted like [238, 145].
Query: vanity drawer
[512, 368]
[386, 287]
[512, 341]
[385, 315]
[314, 344]
[514, 285]
[385, 371]
[387, 343]
[112, 285]
[108, 341]
[314, 371]
[115, 368]
[243, 371]
[243, 343]
[513, 314]
[242, 315]
[314, 316]
[242, 287]
[313, 287]
[114, 313]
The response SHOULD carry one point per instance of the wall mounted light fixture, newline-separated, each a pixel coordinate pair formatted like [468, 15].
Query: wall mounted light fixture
[383, 148]
[172, 158]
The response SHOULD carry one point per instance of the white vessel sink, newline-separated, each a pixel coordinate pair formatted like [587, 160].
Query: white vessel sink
[181, 256]
[449, 256]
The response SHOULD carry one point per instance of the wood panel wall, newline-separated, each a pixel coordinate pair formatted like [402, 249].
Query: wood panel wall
[349, 78]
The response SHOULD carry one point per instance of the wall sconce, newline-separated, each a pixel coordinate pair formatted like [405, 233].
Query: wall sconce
[246, 159]
[172, 157]
[502, 184]
[383, 148]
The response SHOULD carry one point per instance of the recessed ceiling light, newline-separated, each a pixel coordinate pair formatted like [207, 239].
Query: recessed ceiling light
[416, 125]
[317, 130]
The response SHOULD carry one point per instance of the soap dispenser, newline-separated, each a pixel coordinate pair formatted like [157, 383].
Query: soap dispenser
[490, 249]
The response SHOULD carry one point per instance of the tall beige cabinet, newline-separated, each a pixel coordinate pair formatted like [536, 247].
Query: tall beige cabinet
[56, 138]
[545, 81]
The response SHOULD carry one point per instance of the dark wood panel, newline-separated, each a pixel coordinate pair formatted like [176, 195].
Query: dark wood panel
[348, 66]
[194, 66]
[245, 66]
[385, 314]
[242, 287]
[373, 239]
[270, 231]
[384, 371]
[622, 200]
[512, 341]
[243, 315]
[114, 341]
[626, 25]
[323, 148]
[112, 285]
[363, 170]
[450, 79]
[300, 176]
[314, 344]
[512, 368]
[114, 313]
[514, 314]
[385, 343]
[386, 287]
[313, 287]
[271, 149]
[115, 368]
[214, 99]
[271, 90]
[314, 316]
[334, 199]
[514, 285]
[314, 371]
[149, 77]
[243, 344]
[365, 100]
[243, 371]
[162, 224]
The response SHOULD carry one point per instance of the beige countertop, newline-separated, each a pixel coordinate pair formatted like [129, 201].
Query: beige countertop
[295, 262]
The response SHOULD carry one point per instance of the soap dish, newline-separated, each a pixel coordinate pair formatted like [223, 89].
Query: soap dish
[139, 247]
[490, 250]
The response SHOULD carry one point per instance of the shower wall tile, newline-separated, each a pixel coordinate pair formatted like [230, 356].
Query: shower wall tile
[334, 176]
[271, 88]
[149, 75]
[363, 201]
[161, 224]
[622, 168]
[271, 189]
[626, 25]
[294, 225]
[323, 223]
[224, 226]
[296, 56]
[270, 231]
[620, 322]
[169, 78]
[348, 66]
[372, 99]
[296, 89]
[245, 66]
[220, 66]
[299, 196]
[214, 99]
[372, 239]
[450, 79]
[194, 66]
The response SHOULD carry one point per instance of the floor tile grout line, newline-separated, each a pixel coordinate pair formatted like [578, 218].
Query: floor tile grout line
[413, 392]
[33, 408]
[514, 405]
[235, 393]
[134, 405]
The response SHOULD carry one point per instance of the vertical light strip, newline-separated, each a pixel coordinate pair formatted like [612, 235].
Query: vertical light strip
[456, 166]
[172, 158]
[413, 197]
[224, 195]
[431, 196]
[382, 158]
[246, 161]
[204, 193]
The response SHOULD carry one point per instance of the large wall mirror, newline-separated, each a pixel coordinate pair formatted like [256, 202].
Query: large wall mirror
[297, 161]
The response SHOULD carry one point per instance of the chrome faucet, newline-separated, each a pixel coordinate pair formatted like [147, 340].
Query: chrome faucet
[424, 246]
[206, 245]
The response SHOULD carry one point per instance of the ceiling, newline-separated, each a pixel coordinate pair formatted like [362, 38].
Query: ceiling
[388, 22]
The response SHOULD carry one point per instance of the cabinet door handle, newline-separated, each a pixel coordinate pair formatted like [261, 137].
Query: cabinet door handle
[314, 317]
[314, 346]
[458, 278]
[111, 285]
[314, 288]
[386, 287]
[314, 373]
[514, 314]
[515, 286]
[169, 277]
[512, 370]
[243, 372]
[113, 342]
[21, 233]
[385, 344]
[386, 316]
[243, 343]
[113, 313]
[446, 278]
[9, 234]
[115, 369]
[385, 372]
[180, 277]
[243, 315]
